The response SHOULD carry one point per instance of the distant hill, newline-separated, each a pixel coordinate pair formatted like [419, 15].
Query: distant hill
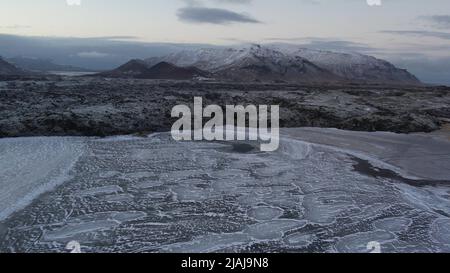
[164, 70]
[7, 69]
[139, 69]
[132, 69]
[42, 65]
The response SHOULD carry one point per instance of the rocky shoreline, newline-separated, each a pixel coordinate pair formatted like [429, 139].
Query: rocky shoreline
[102, 107]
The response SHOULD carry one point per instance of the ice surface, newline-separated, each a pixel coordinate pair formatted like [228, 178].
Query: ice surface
[209, 243]
[265, 213]
[396, 224]
[272, 230]
[153, 194]
[299, 240]
[441, 231]
[119, 198]
[414, 155]
[357, 243]
[91, 223]
[100, 191]
[32, 166]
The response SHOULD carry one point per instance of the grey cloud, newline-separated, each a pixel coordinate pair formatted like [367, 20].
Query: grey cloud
[340, 46]
[237, 41]
[423, 33]
[429, 70]
[233, 1]
[326, 44]
[213, 16]
[15, 26]
[440, 21]
[202, 3]
[310, 2]
[92, 54]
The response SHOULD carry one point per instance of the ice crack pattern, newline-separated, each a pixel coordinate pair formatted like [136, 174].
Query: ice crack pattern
[129, 194]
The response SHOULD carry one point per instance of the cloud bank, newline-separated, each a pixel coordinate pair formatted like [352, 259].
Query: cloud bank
[213, 16]
[196, 12]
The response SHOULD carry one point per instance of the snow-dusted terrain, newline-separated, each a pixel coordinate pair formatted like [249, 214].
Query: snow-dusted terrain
[322, 191]
[209, 59]
[249, 64]
[281, 57]
[353, 66]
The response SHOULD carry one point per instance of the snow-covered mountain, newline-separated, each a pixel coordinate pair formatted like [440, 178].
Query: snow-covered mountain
[290, 63]
[264, 64]
[353, 66]
[254, 63]
[210, 59]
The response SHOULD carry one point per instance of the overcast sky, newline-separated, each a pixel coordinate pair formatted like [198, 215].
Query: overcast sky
[399, 30]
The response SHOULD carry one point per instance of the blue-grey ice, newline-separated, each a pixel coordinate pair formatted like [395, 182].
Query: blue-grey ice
[324, 190]
[32, 166]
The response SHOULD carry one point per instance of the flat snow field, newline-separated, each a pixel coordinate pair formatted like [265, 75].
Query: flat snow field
[324, 190]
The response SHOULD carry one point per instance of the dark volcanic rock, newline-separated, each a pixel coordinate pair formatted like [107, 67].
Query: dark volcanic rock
[139, 70]
[97, 107]
[165, 70]
[132, 69]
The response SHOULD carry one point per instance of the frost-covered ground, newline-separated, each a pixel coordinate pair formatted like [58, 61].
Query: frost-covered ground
[322, 191]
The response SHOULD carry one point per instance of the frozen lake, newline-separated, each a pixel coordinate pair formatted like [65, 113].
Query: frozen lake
[72, 73]
[322, 191]
[30, 167]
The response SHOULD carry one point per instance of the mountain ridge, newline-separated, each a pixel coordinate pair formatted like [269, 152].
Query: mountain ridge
[263, 64]
[353, 66]
[324, 66]
[42, 65]
[163, 70]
